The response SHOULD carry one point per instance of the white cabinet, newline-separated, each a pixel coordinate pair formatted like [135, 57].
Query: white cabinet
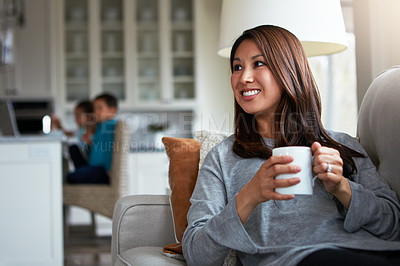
[148, 173]
[140, 50]
[31, 202]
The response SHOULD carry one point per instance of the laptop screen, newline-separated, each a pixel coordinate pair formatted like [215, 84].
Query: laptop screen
[8, 123]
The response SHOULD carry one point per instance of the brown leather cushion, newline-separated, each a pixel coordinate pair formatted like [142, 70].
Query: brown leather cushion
[184, 156]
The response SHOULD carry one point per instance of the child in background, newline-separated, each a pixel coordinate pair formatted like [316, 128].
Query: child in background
[83, 113]
[95, 171]
[84, 118]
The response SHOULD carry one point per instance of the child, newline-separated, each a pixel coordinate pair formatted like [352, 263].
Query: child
[83, 113]
[95, 171]
[84, 119]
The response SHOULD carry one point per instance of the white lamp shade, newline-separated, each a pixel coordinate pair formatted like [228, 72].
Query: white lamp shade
[318, 24]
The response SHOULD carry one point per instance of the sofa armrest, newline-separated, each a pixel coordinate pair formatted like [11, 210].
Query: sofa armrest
[141, 220]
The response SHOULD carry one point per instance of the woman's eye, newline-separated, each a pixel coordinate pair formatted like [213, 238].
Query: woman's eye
[237, 68]
[258, 64]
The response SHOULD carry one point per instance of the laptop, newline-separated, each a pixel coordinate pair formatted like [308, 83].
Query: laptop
[8, 123]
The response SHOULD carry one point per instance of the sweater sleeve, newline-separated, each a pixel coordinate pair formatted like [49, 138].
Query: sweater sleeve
[214, 227]
[374, 207]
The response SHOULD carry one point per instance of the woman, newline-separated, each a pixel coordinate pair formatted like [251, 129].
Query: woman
[352, 216]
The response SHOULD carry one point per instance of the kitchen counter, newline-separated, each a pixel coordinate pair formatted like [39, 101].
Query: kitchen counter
[33, 138]
[147, 149]
[31, 201]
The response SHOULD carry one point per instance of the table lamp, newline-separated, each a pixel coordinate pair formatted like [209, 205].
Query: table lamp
[318, 24]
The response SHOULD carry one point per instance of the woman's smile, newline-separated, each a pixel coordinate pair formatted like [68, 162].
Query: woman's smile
[249, 93]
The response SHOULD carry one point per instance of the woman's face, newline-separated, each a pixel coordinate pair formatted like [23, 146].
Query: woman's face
[253, 84]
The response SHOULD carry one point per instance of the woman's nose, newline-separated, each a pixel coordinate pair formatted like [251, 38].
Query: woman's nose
[247, 76]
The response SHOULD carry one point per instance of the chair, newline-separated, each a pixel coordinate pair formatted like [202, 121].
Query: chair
[144, 224]
[378, 125]
[100, 198]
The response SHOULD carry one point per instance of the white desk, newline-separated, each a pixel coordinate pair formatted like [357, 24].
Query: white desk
[31, 202]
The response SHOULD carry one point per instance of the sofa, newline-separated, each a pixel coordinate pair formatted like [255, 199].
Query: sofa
[146, 228]
[144, 224]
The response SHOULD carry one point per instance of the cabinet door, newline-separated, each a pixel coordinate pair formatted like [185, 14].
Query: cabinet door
[112, 48]
[164, 51]
[31, 204]
[76, 50]
[148, 56]
[181, 17]
[93, 48]
[148, 173]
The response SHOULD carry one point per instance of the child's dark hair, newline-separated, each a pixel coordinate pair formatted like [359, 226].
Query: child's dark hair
[109, 99]
[86, 106]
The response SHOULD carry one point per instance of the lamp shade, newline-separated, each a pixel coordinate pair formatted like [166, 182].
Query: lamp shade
[318, 24]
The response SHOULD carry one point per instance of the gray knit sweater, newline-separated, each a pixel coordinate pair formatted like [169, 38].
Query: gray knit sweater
[284, 232]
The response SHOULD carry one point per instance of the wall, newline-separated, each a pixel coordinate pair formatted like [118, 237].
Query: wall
[33, 61]
[214, 94]
[376, 26]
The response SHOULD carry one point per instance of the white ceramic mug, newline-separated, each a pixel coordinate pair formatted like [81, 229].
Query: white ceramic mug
[303, 158]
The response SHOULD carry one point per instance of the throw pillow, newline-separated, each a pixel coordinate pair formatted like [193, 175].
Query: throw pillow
[184, 156]
[208, 139]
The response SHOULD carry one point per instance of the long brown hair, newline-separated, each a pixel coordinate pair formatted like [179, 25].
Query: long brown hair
[298, 116]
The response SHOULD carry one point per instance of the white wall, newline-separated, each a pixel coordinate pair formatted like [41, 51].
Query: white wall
[215, 97]
[33, 57]
[376, 26]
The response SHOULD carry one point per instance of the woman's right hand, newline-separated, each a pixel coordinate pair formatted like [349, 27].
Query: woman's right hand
[262, 186]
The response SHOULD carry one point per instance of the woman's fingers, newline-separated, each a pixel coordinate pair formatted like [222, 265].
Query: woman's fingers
[324, 167]
[317, 149]
[277, 165]
[286, 182]
[328, 165]
[262, 186]
[278, 196]
[285, 159]
[326, 159]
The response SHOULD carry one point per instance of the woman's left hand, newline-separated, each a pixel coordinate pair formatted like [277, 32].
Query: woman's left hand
[328, 166]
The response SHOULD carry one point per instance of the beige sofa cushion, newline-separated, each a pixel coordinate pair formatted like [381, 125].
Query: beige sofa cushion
[379, 125]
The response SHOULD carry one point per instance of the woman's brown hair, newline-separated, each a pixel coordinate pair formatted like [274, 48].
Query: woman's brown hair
[298, 115]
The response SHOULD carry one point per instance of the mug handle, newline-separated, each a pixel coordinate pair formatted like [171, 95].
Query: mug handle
[313, 180]
[315, 177]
